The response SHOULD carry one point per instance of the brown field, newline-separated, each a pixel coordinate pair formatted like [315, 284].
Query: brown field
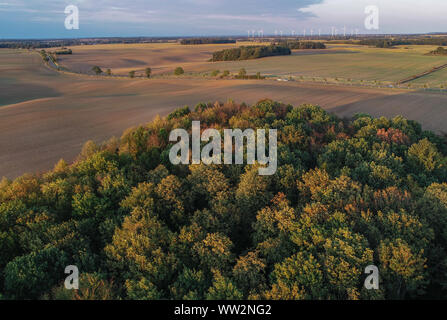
[45, 115]
[342, 64]
[122, 58]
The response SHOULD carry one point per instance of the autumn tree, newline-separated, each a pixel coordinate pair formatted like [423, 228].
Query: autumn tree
[148, 72]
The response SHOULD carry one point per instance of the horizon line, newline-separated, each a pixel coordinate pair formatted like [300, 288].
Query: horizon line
[219, 36]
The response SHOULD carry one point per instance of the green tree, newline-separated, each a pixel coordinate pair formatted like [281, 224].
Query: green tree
[140, 249]
[148, 72]
[214, 251]
[403, 269]
[32, 275]
[242, 73]
[179, 71]
[424, 155]
[249, 273]
[223, 289]
[97, 70]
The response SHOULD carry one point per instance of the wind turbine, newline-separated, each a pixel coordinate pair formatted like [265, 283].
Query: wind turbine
[254, 34]
[319, 33]
[344, 31]
[311, 33]
[304, 33]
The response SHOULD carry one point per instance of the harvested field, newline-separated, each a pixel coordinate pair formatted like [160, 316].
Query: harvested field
[161, 57]
[356, 63]
[45, 115]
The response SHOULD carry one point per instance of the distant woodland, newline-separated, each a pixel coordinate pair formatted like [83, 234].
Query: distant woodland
[42, 44]
[388, 43]
[347, 194]
[439, 52]
[250, 52]
[206, 41]
[440, 40]
[63, 51]
[302, 45]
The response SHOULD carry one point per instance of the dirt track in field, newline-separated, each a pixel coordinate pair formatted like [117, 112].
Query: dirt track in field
[45, 116]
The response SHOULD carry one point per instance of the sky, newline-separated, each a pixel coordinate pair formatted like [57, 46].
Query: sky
[113, 18]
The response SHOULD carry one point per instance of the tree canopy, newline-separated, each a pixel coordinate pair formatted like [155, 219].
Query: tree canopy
[250, 52]
[347, 194]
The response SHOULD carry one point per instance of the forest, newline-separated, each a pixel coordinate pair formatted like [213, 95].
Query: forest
[302, 45]
[396, 40]
[388, 43]
[63, 51]
[348, 193]
[53, 43]
[250, 52]
[206, 41]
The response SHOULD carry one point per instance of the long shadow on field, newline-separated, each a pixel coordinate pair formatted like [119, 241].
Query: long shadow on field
[30, 92]
[429, 109]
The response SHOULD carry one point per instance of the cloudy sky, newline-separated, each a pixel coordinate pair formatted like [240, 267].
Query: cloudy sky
[45, 18]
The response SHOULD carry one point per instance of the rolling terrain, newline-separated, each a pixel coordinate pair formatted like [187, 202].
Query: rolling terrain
[46, 115]
[346, 63]
[122, 58]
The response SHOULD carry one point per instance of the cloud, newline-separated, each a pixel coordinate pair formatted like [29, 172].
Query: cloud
[45, 18]
[167, 17]
[172, 9]
[396, 16]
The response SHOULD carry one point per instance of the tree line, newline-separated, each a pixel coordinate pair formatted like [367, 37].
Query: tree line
[132, 74]
[389, 43]
[440, 51]
[197, 41]
[250, 52]
[63, 51]
[52, 43]
[302, 45]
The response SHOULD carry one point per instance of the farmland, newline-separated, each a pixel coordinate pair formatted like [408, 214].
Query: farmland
[437, 79]
[122, 58]
[352, 63]
[46, 115]
[345, 64]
